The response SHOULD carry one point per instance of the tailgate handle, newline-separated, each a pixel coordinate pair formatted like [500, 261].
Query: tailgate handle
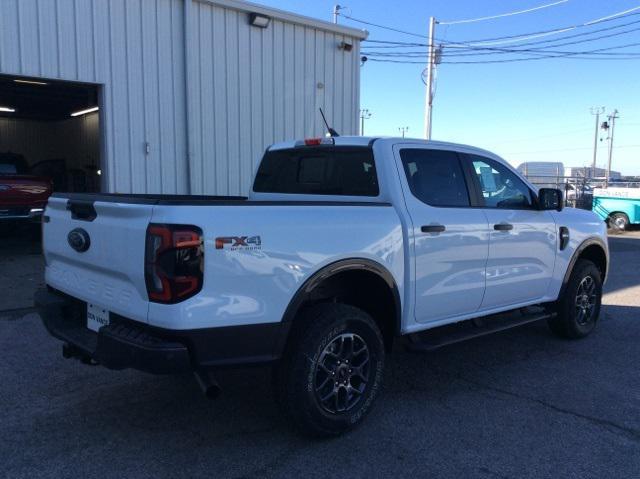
[82, 210]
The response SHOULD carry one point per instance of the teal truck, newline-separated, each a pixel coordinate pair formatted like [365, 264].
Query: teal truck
[619, 207]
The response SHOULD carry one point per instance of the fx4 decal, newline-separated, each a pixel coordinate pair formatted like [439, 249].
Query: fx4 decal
[238, 242]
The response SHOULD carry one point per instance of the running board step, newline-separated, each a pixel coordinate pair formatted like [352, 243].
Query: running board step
[474, 328]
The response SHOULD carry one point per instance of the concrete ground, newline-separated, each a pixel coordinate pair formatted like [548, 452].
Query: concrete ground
[517, 404]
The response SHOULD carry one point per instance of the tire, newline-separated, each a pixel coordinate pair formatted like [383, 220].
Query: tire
[618, 221]
[579, 308]
[322, 343]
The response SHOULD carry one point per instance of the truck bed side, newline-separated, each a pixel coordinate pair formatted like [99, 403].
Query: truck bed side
[254, 283]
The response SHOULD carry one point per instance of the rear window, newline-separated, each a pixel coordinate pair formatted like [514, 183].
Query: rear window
[324, 170]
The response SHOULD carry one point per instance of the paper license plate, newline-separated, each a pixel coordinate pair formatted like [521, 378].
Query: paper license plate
[96, 317]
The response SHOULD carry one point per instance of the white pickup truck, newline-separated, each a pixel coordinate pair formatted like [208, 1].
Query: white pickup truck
[344, 245]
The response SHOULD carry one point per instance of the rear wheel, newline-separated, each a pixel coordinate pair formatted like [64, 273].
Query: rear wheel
[618, 221]
[579, 308]
[332, 370]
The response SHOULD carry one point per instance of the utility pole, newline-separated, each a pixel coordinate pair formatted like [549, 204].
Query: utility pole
[612, 123]
[364, 115]
[336, 9]
[431, 61]
[403, 130]
[597, 111]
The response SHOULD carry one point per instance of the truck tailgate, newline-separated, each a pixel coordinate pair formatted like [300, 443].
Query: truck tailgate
[110, 272]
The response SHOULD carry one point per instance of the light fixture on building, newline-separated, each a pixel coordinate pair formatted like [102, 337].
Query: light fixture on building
[84, 112]
[31, 82]
[347, 47]
[6, 109]
[257, 20]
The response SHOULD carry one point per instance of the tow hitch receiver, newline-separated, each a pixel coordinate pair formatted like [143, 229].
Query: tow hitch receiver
[69, 351]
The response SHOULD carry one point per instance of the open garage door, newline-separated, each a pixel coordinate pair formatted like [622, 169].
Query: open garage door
[52, 127]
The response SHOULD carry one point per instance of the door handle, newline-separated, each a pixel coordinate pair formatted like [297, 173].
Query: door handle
[433, 228]
[503, 227]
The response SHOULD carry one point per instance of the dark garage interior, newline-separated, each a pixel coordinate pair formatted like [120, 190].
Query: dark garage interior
[53, 127]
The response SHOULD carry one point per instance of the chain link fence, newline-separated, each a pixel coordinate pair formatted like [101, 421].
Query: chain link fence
[578, 190]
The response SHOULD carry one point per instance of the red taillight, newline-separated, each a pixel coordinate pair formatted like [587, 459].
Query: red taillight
[174, 262]
[313, 141]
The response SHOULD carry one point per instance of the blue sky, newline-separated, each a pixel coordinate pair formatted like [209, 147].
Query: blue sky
[524, 111]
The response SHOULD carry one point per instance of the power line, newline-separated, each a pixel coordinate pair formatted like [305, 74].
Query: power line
[542, 54]
[382, 26]
[518, 37]
[553, 40]
[563, 55]
[544, 49]
[410, 62]
[392, 45]
[530, 35]
[492, 17]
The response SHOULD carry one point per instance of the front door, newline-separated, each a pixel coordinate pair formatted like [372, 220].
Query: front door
[449, 239]
[522, 244]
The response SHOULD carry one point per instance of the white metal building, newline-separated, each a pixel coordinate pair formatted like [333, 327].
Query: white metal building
[190, 92]
[588, 172]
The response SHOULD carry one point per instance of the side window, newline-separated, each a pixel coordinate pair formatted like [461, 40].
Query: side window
[501, 188]
[435, 177]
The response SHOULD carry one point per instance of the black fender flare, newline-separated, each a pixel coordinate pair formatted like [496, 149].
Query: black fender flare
[326, 272]
[576, 254]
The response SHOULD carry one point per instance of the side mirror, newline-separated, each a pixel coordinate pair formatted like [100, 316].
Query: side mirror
[550, 199]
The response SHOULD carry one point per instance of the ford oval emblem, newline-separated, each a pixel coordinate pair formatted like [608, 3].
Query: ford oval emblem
[79, 240]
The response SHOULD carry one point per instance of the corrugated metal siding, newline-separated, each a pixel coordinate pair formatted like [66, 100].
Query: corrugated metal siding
[254, 86]
[134, 48]
[246, 87]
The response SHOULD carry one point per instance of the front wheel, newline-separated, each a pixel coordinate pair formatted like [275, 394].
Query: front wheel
[331, 372]
[619, 221]
[579, 308]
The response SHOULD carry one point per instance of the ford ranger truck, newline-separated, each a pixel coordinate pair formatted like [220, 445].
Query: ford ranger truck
[343, 246]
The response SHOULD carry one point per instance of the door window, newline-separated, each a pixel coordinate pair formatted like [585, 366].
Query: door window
[435, 177]
[501, 187]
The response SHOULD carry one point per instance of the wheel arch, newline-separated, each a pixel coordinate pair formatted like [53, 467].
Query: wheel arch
[595, 250]
[347, 281]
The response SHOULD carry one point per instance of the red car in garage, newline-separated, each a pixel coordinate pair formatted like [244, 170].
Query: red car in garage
[23, 196]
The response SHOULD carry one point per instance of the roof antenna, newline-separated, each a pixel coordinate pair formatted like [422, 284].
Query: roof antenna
[332, 132]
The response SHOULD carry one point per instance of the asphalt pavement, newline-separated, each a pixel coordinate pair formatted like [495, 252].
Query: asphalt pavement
[518, 404]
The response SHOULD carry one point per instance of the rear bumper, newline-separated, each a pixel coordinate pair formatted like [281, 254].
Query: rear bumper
[129, 344]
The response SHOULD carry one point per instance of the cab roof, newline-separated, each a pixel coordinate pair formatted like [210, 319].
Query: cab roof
[369, 140]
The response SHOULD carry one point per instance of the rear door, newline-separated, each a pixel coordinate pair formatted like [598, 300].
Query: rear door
[94, 251]
[449, 238]
[522, 245]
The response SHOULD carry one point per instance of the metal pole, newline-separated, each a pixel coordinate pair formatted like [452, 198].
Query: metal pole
[612, 119]
[364, 115]
[430, 66]
[403, 130]
[596, 112]
[336, 8]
